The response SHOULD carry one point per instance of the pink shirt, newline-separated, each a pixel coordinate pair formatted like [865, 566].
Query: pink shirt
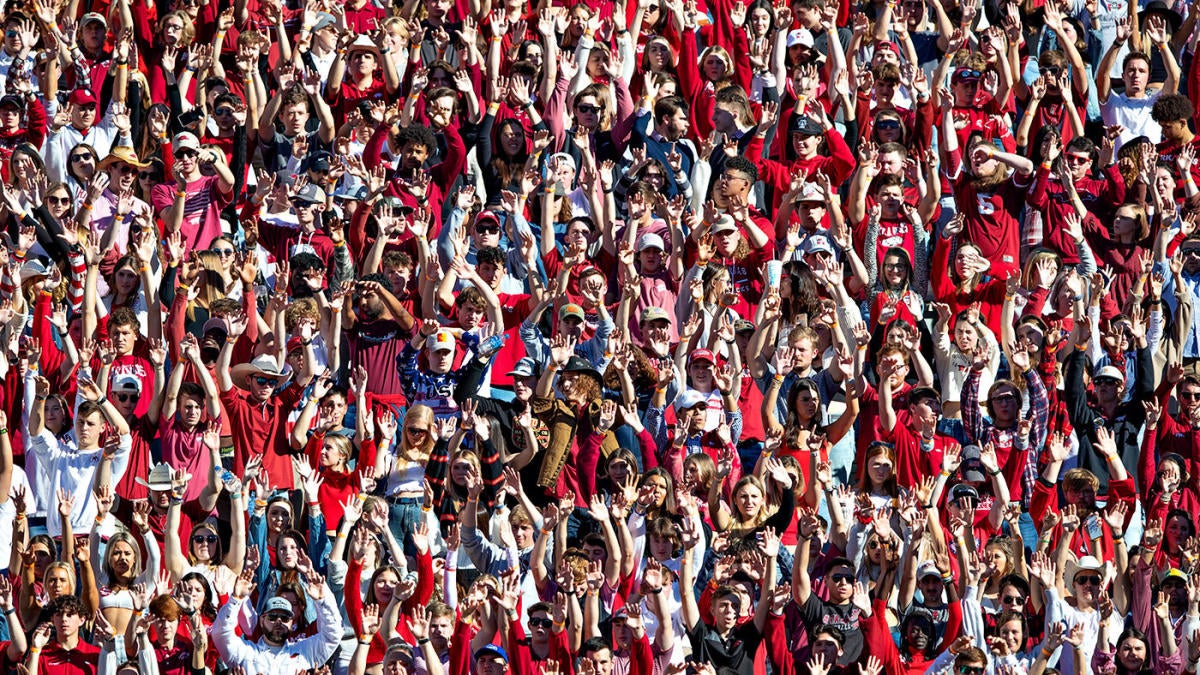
[185, 451]
[201, 211]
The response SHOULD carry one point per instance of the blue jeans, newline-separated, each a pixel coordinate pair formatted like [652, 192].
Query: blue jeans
[404, 515]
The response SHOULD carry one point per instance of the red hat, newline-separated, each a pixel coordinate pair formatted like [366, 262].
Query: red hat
[703, 355]
[888, 47]
[83, 97]
[294, 343]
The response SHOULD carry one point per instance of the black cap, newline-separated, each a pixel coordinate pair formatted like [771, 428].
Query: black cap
[14, 100]
[318, 161]
[971, 470]
[803, 124]
[963, 490]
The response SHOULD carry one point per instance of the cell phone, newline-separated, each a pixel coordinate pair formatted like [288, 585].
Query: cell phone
[1093, 527]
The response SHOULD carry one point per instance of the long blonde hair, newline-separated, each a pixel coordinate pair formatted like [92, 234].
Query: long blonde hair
[403, 450]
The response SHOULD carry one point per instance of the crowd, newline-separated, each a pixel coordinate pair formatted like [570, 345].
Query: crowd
[602, 337]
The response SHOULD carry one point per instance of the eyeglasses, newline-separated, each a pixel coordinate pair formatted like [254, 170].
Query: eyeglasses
[172, 27]
[875, 543]
[653, 174]
[842, 578]
[187, 154]
[126, 398]
[1050, 70]
[895, 267]
[1088, 579]
[81, 157]
[224, 252]
[971, 670]
[733, 176]
[204, 538]
[1191, 251]
[888, 124]
[58, 201]
[1013, 600]
[127, 170]
[588, 109]
[277, 617]
[1106, 382]
[541, 623]
[264, 381]
[148, 175]
[1078, 159]
[223, 112]
[416, 431]
[652, 8]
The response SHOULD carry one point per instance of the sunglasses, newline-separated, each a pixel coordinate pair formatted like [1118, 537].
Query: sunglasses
[971, 670]
[301, 204]
[888, 124]
[1189, 395]
[264, 381]
[875, 543]
[540, 623]
[58, 201]
[127, 170]
[224, 252]
[588, 109]
[204, 538]
[277, 617]
[1051, 70]
[1088, 579]
[223, 112]
[147, 175]
[126, 398]
[186, 154]
[1013, 600]
[1078, 159]
[1192, 251]
[416, 431]
[11, 33]
[487, 229]
[842, 577]
[82, 157]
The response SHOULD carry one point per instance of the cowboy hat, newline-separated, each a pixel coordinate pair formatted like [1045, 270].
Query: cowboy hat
[123, 154]
[159, 478]
[264, 365]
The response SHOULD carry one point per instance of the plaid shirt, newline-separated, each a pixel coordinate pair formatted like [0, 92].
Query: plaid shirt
[1018, 463]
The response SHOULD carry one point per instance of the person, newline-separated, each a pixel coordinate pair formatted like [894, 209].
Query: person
[278, 648]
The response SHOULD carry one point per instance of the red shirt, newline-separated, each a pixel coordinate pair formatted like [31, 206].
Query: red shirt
[913, 460]
[261, 429]
[83, 660]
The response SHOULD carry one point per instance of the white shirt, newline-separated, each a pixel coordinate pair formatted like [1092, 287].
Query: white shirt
[293, 658]
[61, 465]
[1133, 114]
[58, 144]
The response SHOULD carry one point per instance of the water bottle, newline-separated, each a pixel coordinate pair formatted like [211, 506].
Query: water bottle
[492, 345]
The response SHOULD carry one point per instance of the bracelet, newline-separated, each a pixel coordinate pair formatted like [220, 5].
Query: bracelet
[948, 577]
[20, 517]
[34, 650]
[99, 520]
[944, 473]
[1046, 652]
[181, 195]
[3, 430]
[102, 401]
[997, 472]
[260, 503]
[1047, 165]
[365, 643]
[422, 641]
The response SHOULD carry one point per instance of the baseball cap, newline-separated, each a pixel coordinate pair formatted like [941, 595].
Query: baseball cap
[811, 193]
[743, 325]
[1109, 373]
[650, 240]
[805, 125]
[12, 100]
[800, 36]
[723, 223]
[93, 16]
[928, 569]
[526, 367]
[888, 47]
[185, 140]
[702, 355]
[442, 341]
[310, 194]
[214, 323]
[324, 20]
[971, 469]
[571, 309]
[83, 97]
[491, 651]
[689, 399]
[318, 161]
[963, 490]
[294, 343]
[127, 383]
[653, 313]
[818, 243]
[965, 74]
[278, 604]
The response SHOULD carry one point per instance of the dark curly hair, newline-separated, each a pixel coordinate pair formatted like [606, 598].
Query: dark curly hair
[417, 133]
[1171, 108]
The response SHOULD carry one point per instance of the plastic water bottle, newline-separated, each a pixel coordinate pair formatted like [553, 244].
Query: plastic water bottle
[492, 345]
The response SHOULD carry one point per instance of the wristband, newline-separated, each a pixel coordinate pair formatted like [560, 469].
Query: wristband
[3, 430]
[997, 472]
[341, 535]
[102, 401]
[423, 641]
[944, 473]
[260, 503]
[1047, 165]
[181, 195]
[1047, 652]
